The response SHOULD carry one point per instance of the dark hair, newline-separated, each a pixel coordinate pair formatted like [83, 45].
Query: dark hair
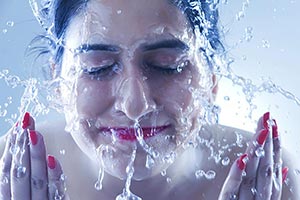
[201, 14]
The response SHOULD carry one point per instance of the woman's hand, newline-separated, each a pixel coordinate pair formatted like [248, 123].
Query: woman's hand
[258, 173]
[26, 173]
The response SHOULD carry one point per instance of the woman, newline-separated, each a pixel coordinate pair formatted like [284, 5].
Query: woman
[136, 87]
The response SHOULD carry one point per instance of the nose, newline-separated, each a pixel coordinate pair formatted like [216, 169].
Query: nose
[134, 98]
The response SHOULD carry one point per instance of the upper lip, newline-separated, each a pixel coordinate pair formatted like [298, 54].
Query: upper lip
[129, 133]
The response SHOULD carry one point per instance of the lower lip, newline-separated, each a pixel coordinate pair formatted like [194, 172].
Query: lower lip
[129, 134]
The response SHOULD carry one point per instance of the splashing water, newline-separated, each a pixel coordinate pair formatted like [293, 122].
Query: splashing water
[250, 90]
[127, 194]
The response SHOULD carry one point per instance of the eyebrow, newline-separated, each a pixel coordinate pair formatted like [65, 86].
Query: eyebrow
[170, 43]
[97, 47]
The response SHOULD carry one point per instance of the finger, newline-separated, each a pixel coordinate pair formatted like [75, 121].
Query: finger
[20, 169]
[5, 167]
[265, 168]
[38, 165]
[56, 179]
[28, 122]
[232, 183]
[255, 152]
[277, 178]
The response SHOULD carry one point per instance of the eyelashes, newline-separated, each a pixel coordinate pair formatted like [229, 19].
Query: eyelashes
[102, 71]
[108, 71]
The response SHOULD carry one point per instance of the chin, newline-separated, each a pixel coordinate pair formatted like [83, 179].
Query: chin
[116, 162]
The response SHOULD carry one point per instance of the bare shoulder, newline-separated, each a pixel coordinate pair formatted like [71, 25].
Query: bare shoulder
[229, 142]
[57, 140]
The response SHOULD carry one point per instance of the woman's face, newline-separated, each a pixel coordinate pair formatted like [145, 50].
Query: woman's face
[133, 79]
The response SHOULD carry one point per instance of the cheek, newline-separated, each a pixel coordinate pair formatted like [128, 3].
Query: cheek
[175, 92]
[93, 97]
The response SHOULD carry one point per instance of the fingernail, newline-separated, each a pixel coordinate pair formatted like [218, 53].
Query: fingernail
[285, 171]
[242, 162]
[33, 137]
[274, 129]
[51, 162]
[262, 136]
[266, 117]
[25, 122]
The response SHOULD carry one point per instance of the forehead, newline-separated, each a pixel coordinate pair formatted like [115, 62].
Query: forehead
[125, 22]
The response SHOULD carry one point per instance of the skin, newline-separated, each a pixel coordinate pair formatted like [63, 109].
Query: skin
[158, 98]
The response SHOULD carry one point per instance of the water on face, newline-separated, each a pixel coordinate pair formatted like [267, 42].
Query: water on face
[30, 101]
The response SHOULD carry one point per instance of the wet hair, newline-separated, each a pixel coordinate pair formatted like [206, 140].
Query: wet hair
[201, 14]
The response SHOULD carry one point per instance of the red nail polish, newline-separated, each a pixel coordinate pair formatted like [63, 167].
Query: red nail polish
[266, 117]
[285, 171]
[25, 122]
[262, 136]
[242, 162]
[274, 129]
[51, 162]
[33, 137]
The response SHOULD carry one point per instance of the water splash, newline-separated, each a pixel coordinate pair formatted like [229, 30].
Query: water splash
[127, 194]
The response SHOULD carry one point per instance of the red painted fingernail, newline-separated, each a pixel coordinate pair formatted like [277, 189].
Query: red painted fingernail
[266, 117]
[285, 171]
[33, 137]
[242, 162]
[262, 136]
[25, 122]
[51, 162]
[274, 129]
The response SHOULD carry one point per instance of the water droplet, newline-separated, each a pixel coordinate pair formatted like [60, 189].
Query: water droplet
[225, 161]
[4, 180]
[4, 31]
[10, 23]
[163, 172]
[119, 12]
[253, 191]
[233, 196]
[13, 81]
[240, 15]
[248, 33]
[199, 173]
[226, 98]
[170, 158]
[14, 149]
[3, 113]
[58, 196]
[297, 171]
[63, 177]
[62, 152]
[210, 174]
[149, 162]
[169, 180]
[224, 1]
[21, 171]
[260, 152]
[98, 185]
[265, 44]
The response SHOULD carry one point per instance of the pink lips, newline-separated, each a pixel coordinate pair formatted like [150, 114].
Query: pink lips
[125, 133]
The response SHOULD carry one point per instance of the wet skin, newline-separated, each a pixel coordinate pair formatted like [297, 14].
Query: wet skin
[117, 69]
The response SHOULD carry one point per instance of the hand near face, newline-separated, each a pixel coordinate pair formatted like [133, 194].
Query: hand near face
[26, 173]
[258, 173]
